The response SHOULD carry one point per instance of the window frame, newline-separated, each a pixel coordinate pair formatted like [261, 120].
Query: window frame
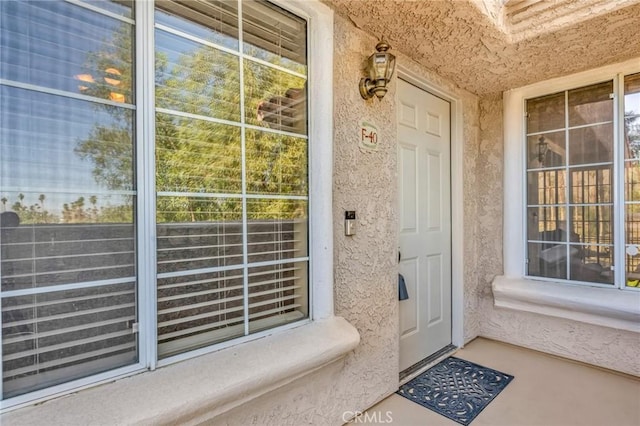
[568, 168]
[319, 19]
[515, 183]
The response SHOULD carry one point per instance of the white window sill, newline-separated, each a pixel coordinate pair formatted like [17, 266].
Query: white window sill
[601, 306]
[198, 389]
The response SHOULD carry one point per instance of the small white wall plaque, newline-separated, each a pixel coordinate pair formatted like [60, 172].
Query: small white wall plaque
[368, 136]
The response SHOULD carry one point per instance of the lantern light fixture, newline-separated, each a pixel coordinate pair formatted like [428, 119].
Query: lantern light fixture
[543, 147]
[379, 70]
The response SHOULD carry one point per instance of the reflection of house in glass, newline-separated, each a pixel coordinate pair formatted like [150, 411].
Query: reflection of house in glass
[570, 184]
[286, 112]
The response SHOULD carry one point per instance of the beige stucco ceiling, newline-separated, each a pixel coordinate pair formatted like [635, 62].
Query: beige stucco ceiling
[487, 46]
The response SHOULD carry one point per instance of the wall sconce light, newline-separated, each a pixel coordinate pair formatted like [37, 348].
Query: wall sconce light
[379, 70]
[543, 147]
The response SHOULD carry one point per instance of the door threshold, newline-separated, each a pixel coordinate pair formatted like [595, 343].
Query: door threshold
[422, 366]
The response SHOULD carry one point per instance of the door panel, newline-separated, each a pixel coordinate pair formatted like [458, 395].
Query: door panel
[436, 290]
[424, 192]
[408, 174]
[434, 194]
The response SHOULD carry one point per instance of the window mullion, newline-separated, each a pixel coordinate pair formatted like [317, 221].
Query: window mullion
[619, 227]
[243, 147]
[567, 187]
[1, 340]
[145, 172]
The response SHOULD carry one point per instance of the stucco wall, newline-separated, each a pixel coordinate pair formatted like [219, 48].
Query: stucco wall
[462, 43]
[602, 346]
[488, 194]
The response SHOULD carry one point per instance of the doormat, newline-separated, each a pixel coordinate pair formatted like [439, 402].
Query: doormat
[456, 388]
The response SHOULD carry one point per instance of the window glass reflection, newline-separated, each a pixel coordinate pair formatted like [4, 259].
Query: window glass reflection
[546, 187]
[591, 185]
[593, 144]
[197, 156]
[212, 21]
[195, 78]
[547, 223]
[277, 164]
[632, 116]
[546, 150]
[591, 104]
[548, 260]
[632, 178]
[120, 7]
[591, 263]
[274, 99]
[58, 45]
[274, 35]
[545, 113]
[52, 143]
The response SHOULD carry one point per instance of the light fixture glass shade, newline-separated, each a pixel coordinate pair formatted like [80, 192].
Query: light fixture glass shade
[380, 67]
[391, 66]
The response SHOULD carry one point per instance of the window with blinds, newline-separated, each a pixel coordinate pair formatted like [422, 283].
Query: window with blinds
[231, 171]
[230, 152]
[67, 240]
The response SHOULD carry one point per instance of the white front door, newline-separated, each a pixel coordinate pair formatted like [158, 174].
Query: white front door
[424, 184]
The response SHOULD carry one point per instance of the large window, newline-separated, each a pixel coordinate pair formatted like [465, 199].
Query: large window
[583, 177]
[208, 189]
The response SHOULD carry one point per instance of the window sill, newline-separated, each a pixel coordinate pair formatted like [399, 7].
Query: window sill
[600, 306]
[198, 389]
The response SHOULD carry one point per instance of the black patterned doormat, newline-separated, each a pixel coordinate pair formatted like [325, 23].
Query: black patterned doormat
[456, 388]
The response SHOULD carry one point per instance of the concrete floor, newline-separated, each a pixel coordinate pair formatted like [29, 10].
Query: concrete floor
[546, 391]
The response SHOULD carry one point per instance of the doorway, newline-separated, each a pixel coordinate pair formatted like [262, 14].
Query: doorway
[425, 222]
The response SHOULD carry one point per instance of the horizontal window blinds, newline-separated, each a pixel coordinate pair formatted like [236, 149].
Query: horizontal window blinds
[266, 28]
[67, 230]
[68, 299]
[201, 285]
[232, 175]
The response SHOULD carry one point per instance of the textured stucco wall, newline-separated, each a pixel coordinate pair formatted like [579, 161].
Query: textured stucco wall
[602, 346]
[488, 195]
[463, 44]
[365, 265]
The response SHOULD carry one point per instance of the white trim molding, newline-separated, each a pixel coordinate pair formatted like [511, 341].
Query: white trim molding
[320, 78]
[592, 305]
[457, 202]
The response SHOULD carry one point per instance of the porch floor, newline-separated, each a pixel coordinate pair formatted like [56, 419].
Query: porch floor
[546, 390]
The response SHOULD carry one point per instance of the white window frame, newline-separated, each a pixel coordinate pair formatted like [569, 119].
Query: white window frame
[609, 306]
[515, 165]
[320, 135]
